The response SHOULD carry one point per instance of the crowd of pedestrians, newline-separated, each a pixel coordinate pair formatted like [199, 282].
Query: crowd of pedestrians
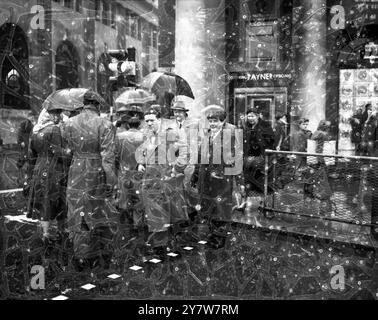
[157, 175]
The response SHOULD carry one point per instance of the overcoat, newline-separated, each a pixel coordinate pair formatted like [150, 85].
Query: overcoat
[161, 188]
[213, 175]
[256, 140]
[45, 178]
[129, 179]
[91, 177]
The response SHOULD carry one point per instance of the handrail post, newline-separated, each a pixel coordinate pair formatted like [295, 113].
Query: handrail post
[266, 179]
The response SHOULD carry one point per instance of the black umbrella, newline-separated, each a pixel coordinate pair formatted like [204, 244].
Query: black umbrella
[160, 83]
[132, 98]
[69, 99]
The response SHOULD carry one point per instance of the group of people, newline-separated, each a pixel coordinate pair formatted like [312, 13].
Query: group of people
[157, 176]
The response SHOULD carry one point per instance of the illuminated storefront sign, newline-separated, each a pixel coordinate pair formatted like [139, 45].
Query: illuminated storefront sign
[261, 76]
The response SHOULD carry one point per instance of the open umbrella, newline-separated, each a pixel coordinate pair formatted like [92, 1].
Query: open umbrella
[131, 99]
[69, 99]
[166, 82]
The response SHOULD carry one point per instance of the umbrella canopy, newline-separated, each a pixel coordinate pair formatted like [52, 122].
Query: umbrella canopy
[131, 99]
[69, 99]
[162, 82]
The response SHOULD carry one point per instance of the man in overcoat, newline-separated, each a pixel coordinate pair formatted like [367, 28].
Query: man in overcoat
[162, 158]
[92, 220]
[220, 162]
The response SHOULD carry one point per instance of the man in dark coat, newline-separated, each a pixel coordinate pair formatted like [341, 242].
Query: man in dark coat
[220, 161]
[92, 220]
[357, 124]
[258, 136]
[23, 136]
[368, 135]
[280, 133]
[43, 185]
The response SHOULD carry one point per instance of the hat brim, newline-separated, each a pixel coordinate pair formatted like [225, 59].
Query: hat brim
[179, 109]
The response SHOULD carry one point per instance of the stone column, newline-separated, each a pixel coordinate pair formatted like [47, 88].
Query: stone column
[309, 87]
[40, 59]
[89, 40]
[200, 50]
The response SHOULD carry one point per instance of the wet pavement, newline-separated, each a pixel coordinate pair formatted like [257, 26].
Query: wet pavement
[253, 262]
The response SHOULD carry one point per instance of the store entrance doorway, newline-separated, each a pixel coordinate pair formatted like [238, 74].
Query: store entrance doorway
[269, 101]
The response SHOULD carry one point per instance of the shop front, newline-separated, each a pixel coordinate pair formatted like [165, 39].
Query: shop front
[352, 72]
[266, 91]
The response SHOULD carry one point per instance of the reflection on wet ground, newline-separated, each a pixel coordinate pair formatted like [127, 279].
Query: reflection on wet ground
[262, 262]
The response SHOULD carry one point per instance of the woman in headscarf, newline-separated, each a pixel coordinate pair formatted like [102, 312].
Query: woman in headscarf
[44, 184]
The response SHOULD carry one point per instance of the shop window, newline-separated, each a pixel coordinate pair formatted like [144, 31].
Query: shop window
[105, 13]
[98, 9]
[147, 33]
[155, 36]
[113, 13]
[261, 42]
[127, 21]
[67, 63]
[68, 3]
[133, 22]
[139, 26]
[358, 87]
[14, 67]
[252, 9]
[13, 80]
[78, 6]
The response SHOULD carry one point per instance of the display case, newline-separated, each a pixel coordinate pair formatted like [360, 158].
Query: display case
[357, 88]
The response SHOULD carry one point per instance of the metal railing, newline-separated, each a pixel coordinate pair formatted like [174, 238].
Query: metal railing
[326, 187]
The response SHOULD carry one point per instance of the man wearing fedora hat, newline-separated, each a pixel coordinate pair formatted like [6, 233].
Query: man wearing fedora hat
[180, 113]
[188, 130]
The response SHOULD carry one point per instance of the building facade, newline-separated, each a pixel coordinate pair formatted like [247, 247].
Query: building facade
[46, 45]
[314, 59]
[287, 56]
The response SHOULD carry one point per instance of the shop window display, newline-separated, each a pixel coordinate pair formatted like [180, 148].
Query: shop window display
[358, 87]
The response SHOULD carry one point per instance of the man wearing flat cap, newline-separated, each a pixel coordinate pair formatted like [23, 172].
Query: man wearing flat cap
[92, 220]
